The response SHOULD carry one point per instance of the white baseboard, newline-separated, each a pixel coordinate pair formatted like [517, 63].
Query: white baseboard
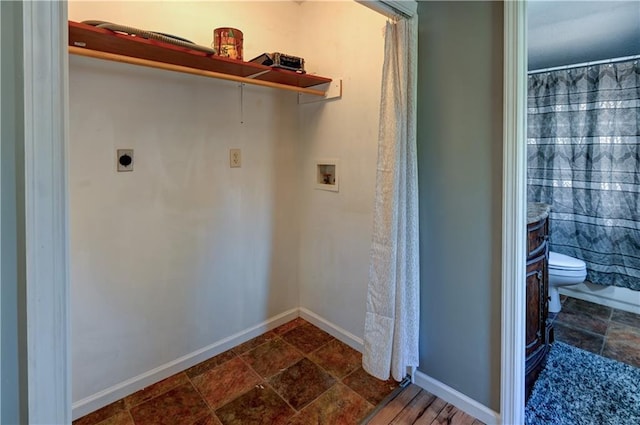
[461, 401]
[611, 296]
[334, 330]
[123, 389]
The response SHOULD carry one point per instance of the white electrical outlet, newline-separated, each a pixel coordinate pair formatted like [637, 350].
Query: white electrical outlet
[235, 158]
[124, 159]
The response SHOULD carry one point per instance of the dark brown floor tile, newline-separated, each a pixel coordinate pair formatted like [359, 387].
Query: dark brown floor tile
[210, 364]
[226, 382]
[307, 338]
[155, 390]
[338, 406]
[337, 358]
[208, 420]
[272, 357]
[624, 334]
[283, 329]
[621, 352]
[372, 389]
[577, 319]
[261, 405]
[626, 318]
[121, 418]
[578, 338]
[253, 343]
[587, 308]
[181, 405]
[302, 383]
[101, 414]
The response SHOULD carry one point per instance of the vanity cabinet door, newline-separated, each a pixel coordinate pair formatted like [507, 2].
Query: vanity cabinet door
[538, 332]
[537, 236]
[536, 304]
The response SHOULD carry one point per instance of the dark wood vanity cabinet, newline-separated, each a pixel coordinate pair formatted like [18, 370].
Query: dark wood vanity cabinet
[539, 333]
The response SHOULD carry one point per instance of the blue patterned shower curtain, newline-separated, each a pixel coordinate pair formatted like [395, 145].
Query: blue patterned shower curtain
[583, 147]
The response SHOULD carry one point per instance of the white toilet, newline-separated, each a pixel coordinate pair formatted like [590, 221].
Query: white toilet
[563, 271]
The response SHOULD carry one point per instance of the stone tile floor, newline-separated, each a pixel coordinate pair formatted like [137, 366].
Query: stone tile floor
[295, 374]
[603, 330]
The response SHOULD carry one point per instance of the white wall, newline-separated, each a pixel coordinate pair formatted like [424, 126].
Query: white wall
[571, 32]
[184, 251]
[336, 227]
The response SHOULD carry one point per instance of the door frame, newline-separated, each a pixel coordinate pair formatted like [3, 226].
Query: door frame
[47, 257]
[514, 210]
[45, 60]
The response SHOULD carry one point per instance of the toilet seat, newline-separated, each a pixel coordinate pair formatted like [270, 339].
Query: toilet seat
[561, 263]
[561, 274]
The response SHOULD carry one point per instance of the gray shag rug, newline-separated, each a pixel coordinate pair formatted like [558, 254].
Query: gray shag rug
[577, 387]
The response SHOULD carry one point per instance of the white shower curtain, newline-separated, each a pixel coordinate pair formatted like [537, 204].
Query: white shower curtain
[391, 324]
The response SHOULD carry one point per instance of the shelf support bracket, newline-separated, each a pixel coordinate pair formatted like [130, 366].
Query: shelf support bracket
[333, 90]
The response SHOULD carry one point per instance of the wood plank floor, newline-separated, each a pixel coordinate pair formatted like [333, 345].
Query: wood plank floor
[414, 405]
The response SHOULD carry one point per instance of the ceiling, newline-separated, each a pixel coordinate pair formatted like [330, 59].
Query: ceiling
[572, 32]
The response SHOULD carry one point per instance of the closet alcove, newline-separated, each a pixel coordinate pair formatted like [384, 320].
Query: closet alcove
[185, 257]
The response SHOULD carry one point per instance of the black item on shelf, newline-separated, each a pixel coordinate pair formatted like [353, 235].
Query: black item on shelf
[281, 60]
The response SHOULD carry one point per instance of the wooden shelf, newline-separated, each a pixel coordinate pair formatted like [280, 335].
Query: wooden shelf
[87, 40]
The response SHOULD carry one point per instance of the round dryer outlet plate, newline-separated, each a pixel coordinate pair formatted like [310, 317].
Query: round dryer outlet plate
[124, 160]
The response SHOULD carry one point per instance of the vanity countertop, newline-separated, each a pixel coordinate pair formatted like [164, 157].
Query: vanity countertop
[536, 211]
